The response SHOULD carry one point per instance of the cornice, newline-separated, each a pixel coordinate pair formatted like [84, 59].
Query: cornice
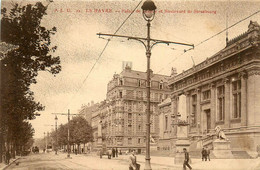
[253, 73]
[249, 39]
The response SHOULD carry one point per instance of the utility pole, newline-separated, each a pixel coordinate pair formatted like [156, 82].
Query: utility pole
[68, 139]
[45, 139]
[56, 142]
[148, 14]
[68, 145]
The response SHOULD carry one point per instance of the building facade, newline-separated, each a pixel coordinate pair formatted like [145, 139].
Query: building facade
[223, 90]
[124, 120]
[87, 110]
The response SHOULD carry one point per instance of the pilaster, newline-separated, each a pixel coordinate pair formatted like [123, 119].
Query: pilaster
[188, 104]
[174, 112]
[213, 103]
[253, 97]
[227, 103]
[243, 77]
[199, 121]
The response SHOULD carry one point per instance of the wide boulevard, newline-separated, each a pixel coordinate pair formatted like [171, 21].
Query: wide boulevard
[50, 161]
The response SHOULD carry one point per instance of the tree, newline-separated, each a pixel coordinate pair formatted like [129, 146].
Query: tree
[81, 131]
[21, 26]
[63, 134]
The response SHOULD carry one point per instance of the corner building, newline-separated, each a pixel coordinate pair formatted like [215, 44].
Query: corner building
[223, 90]
[125, 121]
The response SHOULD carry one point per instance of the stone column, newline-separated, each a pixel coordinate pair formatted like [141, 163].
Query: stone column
[174, 112]
[253, 97]
[182, 131]
[227, 103]
[243, 77]
[213, 103]
[199, 121]
[188, 109]
[99, 140]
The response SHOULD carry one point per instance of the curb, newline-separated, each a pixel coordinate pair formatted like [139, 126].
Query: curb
[11, 163]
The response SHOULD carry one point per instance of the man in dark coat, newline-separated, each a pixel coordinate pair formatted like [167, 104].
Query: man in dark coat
[186, 159]
[8, 157]
[204, 154]
[113, 152]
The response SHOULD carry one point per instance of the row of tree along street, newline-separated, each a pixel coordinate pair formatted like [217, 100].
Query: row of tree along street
[21, 27]
[80, 133]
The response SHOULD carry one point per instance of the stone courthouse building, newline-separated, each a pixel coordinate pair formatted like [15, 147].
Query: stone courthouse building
[223, 90]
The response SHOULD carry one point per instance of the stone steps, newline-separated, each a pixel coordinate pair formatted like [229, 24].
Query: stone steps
[241, 155]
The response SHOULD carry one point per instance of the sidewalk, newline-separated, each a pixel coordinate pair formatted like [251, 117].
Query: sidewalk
[4, 166]
[198, 164]
[214, 164]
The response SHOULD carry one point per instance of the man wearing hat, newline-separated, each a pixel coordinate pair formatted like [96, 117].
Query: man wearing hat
[186, 160]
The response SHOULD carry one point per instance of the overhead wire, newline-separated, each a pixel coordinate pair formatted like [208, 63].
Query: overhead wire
[227, 28]
[103, 52]
[214, 36]
[108, 40]
[198, 45]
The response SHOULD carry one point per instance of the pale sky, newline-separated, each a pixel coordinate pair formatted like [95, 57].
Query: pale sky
[79, 46]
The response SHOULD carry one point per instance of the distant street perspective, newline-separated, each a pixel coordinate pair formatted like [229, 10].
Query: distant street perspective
[134, 85]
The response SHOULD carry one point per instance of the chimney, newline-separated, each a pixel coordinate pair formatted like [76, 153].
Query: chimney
[127, 65]
[173, 72]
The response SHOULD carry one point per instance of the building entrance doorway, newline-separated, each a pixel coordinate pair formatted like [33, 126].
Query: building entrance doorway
[208, 120]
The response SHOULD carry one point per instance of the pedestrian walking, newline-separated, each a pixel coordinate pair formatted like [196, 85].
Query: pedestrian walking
[116, 152]
[204, 154]
[8, 157]
[113, 152]
[133, 165]
[100, 153]
[109, 153]
[207, 153]
[186, 159]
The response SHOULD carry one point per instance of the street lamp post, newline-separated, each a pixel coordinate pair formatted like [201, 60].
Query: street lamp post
[148, 8]
[56, 146]
[68, 145]
[68, 141]
[45, 139]
[148, 14]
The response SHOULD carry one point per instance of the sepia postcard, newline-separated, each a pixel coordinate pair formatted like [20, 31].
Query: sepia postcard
[130, 84]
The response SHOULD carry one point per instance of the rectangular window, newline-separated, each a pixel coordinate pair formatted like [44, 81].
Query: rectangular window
[129, 116]
[166, 122]
[236, 91]
[161, 86]
[121, 82]
[206, 95]
[129, 141]
[221, 102]
[129, 129]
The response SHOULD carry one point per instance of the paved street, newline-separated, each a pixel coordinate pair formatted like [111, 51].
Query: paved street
[52, 161]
